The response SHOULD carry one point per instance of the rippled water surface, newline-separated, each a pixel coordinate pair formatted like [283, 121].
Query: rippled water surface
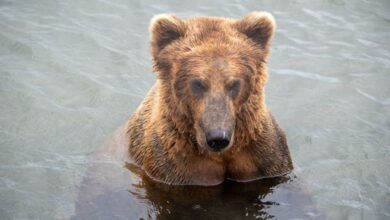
[71, 72]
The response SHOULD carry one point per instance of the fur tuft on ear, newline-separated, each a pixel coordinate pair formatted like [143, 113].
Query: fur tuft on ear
[164, 29]
[257, 26]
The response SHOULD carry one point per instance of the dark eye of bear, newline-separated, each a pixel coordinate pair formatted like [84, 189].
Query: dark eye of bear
[233, 88]
[198, 87]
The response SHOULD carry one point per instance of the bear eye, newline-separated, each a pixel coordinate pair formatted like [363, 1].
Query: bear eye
[233, 88]
[198, 87]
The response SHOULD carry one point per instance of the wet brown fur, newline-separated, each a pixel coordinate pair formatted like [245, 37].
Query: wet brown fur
[162, 132]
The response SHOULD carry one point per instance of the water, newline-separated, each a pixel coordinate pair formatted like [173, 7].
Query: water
[72, 72]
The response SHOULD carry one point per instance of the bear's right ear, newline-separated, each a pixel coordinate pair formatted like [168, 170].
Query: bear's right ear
[164, 29]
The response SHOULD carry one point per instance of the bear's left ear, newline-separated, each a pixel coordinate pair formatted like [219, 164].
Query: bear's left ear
[257, 26]
[164, 29]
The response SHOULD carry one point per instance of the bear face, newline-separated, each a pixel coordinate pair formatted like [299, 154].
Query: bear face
[212, 71]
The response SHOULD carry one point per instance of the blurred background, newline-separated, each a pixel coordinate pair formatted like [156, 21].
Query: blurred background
[71, 72]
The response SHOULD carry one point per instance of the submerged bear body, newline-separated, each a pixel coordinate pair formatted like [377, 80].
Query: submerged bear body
[205, 119]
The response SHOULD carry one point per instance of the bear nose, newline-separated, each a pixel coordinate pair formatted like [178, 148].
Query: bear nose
[218, 139]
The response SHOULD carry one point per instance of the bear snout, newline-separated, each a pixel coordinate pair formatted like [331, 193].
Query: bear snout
[218, 139]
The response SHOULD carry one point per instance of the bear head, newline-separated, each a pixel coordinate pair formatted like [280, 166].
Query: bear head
[212, 73]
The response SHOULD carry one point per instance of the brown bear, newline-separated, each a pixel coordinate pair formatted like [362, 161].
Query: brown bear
[205, 119]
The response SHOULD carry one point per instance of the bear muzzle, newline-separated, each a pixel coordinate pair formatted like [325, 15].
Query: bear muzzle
[218, 139]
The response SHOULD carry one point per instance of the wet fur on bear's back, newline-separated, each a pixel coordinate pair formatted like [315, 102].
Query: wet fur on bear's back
[166, 133]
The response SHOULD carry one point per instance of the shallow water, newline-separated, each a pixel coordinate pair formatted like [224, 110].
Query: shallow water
[72, 72]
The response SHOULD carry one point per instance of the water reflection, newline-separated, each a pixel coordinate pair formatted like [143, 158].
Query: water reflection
[129, 193]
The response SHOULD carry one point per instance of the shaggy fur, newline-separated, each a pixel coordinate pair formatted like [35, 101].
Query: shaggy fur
[228, 58]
